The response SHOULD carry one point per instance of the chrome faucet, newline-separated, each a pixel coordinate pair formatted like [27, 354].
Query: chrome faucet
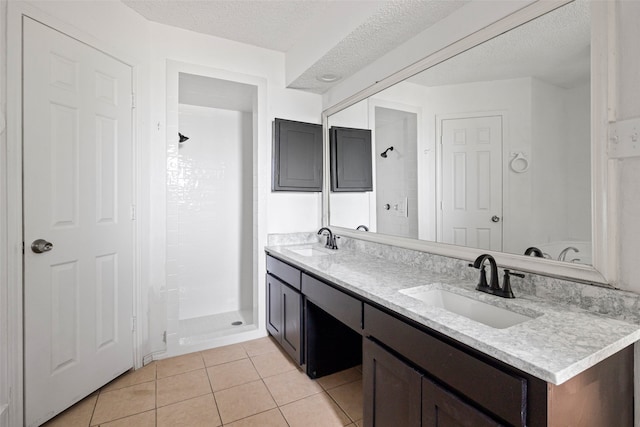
[563, 255]
[493, 287]
[331, 239]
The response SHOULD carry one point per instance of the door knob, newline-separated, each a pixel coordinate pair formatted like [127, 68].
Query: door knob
[495, 218]
[40, 245]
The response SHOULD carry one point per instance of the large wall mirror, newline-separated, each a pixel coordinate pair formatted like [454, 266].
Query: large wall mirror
[488, 150]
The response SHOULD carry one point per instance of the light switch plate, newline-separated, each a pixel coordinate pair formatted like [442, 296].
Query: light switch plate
[624, 139]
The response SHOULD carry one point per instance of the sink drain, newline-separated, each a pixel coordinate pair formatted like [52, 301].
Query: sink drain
[236, 323]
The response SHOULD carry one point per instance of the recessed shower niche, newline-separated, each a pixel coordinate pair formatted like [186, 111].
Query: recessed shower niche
[211, 146]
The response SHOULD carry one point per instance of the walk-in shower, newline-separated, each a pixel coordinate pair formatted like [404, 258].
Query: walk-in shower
[211, 283]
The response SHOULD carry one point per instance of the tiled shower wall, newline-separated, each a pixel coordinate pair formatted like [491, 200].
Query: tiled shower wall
[209, 214]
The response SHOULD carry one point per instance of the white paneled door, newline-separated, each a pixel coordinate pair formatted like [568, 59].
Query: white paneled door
[471, 199]
[78, 290]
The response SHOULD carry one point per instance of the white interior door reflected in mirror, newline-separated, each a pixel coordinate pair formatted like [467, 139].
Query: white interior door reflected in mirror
[471, 177]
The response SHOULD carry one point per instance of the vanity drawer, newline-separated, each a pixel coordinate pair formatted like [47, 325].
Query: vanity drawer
[499, 392]
[343, 307]
[288, 274]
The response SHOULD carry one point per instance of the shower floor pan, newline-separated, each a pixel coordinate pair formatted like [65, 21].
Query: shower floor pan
[205, 328]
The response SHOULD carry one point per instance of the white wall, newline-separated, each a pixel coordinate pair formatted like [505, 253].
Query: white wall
[4, 331]
[578, 101]
[560, 164]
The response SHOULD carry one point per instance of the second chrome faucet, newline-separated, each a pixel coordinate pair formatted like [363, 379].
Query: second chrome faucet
[493, 287]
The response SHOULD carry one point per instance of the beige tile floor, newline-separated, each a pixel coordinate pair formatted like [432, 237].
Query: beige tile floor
[248, 384]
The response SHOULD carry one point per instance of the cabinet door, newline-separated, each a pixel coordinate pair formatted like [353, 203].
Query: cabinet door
[274, 306]
[351, 161]
[391, 389]
[297, 156]
[291, 332]
[443, 409]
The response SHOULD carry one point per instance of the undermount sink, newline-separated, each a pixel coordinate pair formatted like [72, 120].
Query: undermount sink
[308, 252]
[478, 311]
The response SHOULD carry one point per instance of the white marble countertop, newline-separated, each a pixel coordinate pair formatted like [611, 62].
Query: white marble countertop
[558, 343]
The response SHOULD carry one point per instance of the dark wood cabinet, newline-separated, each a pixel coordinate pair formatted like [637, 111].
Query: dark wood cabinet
[274, 307]
[415, 376]
[463, 387]
[284, 316]
[395, 393]
[497, 390]
[343, 307]
[351, 161]
[291, 333]
[284, 307]
[297, 156]
[440, 408]
[391, 389]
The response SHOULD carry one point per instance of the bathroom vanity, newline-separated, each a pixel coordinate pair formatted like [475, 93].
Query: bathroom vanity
[425, 365]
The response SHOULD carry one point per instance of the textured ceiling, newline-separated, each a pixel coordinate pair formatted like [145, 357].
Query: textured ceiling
[393, 24]
[280, 24]
[271, 24]
[554, 48]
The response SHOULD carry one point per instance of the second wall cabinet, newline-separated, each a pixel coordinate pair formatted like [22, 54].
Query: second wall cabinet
[297, 156]
[351, 161]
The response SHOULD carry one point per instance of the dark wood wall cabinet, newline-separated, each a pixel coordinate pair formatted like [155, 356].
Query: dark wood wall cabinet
[297, 156]
[415, 376]
[351, 161]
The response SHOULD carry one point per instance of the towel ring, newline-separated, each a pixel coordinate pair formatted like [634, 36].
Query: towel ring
[519, 163]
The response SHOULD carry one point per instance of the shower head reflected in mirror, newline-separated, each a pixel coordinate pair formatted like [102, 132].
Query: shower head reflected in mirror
[182, 138]
[384, 153]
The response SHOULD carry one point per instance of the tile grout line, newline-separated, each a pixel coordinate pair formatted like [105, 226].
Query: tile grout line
[338, 404]
[269, 391]
[340, 407]
[213, 394]
[93, 411]
[123, 418]
[279, 407]
[155, 406]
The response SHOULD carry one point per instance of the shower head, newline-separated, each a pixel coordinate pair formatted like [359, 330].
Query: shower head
[182, 138]
[384, 153]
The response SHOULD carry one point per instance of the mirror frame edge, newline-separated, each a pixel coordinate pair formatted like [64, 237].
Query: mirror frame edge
[604, 185]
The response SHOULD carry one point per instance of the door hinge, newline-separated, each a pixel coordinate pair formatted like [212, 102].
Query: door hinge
[164, 337]
[22, 248]
[133, 323]
[133, 212]
[133, 100]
